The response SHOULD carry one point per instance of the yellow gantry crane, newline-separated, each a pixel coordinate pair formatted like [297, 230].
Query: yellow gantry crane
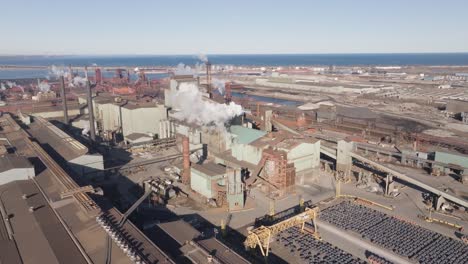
[261, 236]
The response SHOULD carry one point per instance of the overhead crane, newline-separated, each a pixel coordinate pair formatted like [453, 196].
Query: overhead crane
[261, 236]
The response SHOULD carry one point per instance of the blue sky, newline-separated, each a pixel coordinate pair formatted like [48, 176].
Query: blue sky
[232, 27]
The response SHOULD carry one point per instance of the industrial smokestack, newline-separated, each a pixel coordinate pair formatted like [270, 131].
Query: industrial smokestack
[227, 92]
[92, 129]
[208, 79]
[64, 100]
[186, 160]
[98, 75]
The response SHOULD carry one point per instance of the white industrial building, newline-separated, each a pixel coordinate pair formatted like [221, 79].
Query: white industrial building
[125, 117]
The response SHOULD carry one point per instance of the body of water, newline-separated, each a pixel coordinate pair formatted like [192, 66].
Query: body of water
[238, 60]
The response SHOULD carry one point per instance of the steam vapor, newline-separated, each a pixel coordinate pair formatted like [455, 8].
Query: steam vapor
[183, 69]
[219, 85]
[44, 87]
[11, 84]
[85, 130]
[59, 71]
[79, 81]
[193, 108]
[203, 57]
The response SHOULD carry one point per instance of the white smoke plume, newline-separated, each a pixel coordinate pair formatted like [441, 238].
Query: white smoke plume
[79, 81]
[219, 85]
[44, 87]
[11, 84]
[85, 130]
[194, 109]
[59, 71]
[2, 85]
[203, 57]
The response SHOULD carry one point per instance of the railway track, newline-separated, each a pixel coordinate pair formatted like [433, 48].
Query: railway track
[82, 198]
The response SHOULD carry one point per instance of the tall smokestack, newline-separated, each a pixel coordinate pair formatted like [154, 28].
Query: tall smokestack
[227, 92]
[98, 75]
[208, 79]
[186, 157]
[64, 100]
[92, 129]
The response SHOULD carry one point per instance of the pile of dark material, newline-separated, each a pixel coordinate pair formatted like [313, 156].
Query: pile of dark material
[310, 250]
[403, 238]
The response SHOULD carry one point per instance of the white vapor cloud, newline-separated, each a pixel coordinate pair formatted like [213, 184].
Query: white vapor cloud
[196, 109]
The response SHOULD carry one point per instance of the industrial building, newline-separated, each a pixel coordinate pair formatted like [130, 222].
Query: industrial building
[116, 116]
[457, 106]
[194, 177]
[13, 168]
[48, 217]
[74, 153]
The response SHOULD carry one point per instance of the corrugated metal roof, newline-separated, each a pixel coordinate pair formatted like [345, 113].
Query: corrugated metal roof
[210, 168]
[246, 135]
[457, 159]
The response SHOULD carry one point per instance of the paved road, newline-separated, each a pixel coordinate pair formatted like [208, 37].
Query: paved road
[360, 243]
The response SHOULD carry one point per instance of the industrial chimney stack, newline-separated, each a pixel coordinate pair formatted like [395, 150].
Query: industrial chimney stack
[186, 160]
[208, 79]
[227, 92]
[64, 100]
[92, 129]
[98, 76]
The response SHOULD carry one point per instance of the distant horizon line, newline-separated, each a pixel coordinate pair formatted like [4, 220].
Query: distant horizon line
[229, 54]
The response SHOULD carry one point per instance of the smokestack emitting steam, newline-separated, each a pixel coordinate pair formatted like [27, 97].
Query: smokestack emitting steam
[186, 160]
[194, 108]
[64, 99]
[203, 57]
[92, 129]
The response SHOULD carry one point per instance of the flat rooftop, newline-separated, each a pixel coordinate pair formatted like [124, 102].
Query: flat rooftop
[47, 133]
[39, 235]
[210, 168]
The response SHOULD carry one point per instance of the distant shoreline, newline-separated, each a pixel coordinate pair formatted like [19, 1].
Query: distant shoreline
[249, 60]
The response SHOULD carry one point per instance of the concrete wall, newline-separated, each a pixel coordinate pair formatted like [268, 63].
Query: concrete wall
[200, 183]
[217, 141]
[246, 152]
[108, 115]
[143, 120]
[16, 175]
[305, 156]
[235, 201]
[343, 157]
[457, 106]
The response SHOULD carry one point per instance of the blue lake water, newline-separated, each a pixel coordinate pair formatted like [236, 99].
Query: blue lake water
[247, 60]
